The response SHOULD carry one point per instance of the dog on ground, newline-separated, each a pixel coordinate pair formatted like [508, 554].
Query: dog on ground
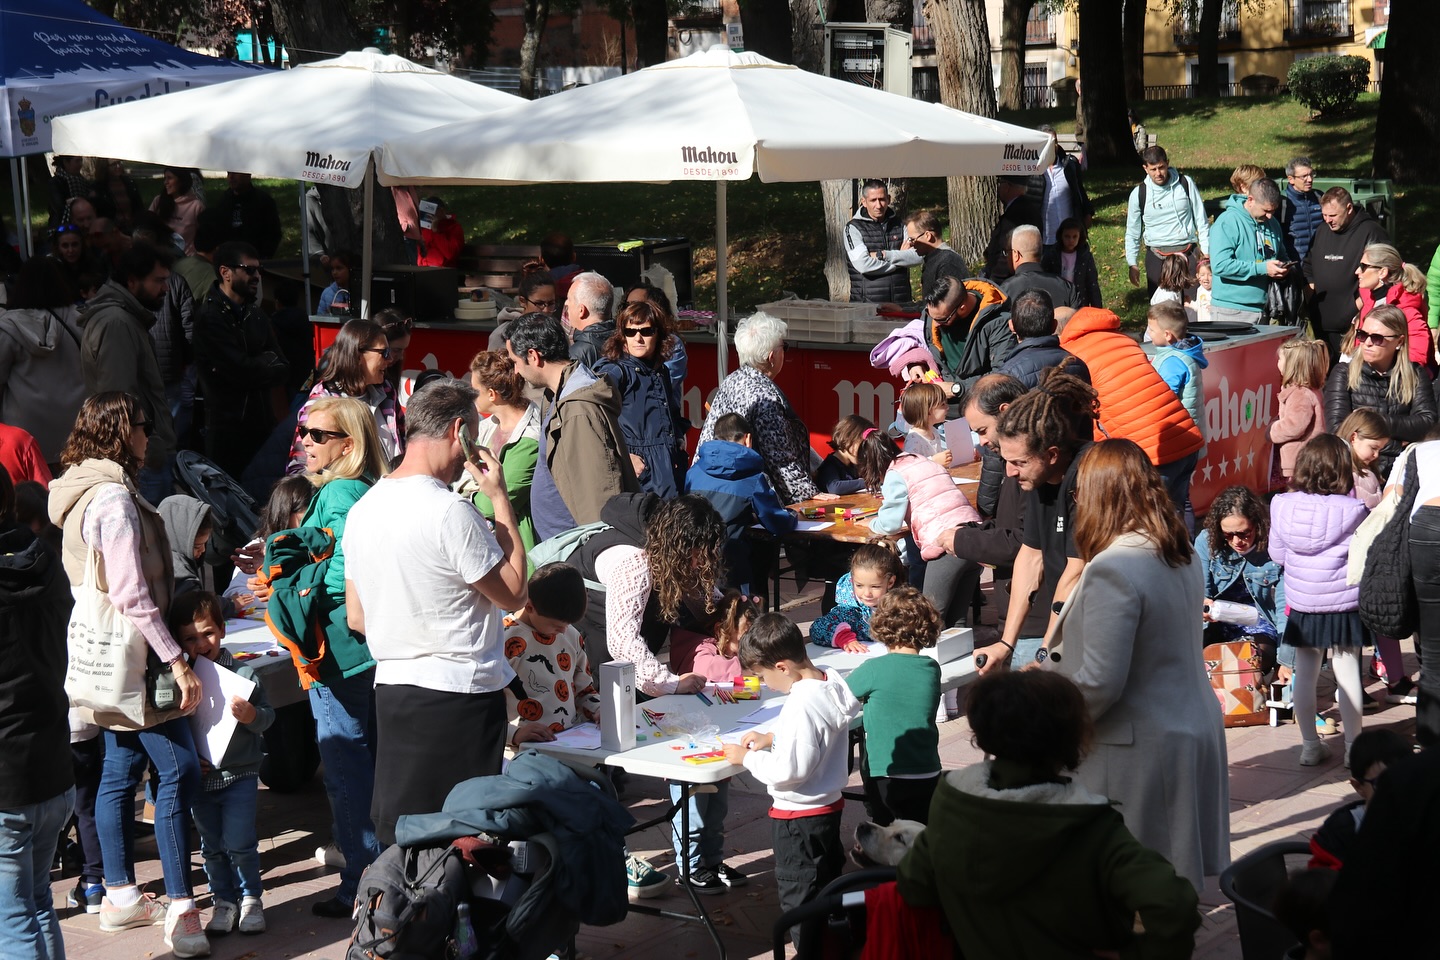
[877, 846]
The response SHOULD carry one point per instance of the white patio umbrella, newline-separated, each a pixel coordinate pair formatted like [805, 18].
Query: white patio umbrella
[318, 122]
[716, 115]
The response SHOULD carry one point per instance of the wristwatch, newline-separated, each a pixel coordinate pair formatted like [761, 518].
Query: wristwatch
[955, 389]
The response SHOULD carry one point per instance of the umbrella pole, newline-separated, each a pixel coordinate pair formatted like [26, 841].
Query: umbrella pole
[722, 281]
[28, 241]
[367, 241]
[304, 244]
[20, 230]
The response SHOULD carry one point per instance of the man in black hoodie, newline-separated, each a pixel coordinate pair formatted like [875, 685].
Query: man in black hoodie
[37, 784]
[1333, 258]
[590, 309]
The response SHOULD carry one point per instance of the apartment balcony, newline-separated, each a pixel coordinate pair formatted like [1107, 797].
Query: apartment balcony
[1040, 30]
[1327, 21]
[1187, 29]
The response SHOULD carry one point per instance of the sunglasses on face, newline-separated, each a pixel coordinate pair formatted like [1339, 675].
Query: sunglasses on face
[148, 426]
[383, 351]
[1374, 339]
[67, 228]
[317, 435]
[252, 271]
[1368, 266]
[1239, 534]
[632, 332]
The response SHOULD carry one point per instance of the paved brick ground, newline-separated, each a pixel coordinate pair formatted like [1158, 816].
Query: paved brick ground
[1272, 798]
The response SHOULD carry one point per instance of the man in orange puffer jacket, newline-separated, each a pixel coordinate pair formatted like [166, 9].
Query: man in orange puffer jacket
[1135, 403]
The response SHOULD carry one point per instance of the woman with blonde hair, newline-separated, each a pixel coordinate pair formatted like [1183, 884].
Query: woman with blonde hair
[1129, 638]
[1385, 278]
[1381, 375]
[343, 460]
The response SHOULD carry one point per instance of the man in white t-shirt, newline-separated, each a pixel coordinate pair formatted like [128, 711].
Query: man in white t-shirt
[428, 583]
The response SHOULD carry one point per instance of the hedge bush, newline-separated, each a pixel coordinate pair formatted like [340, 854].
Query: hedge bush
[1328, 83]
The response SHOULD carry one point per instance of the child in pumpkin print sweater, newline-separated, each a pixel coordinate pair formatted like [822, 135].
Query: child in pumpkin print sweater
[552, 684]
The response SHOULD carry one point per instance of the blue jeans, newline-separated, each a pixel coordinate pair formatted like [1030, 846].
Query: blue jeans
[345, 728]
[28, 835]
[228, 842]
[707, 826]
[171, 747]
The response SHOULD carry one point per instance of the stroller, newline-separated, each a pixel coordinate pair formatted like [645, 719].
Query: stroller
[507, 871]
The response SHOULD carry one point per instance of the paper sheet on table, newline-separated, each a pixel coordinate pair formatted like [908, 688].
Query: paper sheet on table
[212, 722]
[246, 624]
[250, 643]
[804, 525]
[582, 736]
[960, 480]
[958, 439]
[761, 714]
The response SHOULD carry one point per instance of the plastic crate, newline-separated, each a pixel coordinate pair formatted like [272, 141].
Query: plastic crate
[822, 321]
[872, 331]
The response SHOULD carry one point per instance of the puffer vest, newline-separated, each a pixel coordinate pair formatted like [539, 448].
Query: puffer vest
[1192, 397]
[890, 287]
[936, 504]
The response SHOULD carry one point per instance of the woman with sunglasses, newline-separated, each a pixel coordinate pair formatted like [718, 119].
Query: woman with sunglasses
[780, 437]
[398, 329]
[634, 360]
[1381, 375]
[354, 366]
[1232, 552]
[1385, 278]
[107, 523]
[343, 459]
[180, 206]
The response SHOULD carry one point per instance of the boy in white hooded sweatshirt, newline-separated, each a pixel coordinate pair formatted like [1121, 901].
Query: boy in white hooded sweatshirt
[802, 760]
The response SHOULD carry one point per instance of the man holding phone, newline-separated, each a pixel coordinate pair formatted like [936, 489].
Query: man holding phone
[1247, 253]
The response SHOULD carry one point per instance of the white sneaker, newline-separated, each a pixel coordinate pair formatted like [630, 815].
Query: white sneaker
[141, 913]
[1313, 753]
[252, 915]
[184, 935]
[222, 917]
[330, 856]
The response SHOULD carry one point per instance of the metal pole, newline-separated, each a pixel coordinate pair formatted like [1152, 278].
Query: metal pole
[25, 188]
[367, 242]
[722, 281]
[20, 231]
[304, 244]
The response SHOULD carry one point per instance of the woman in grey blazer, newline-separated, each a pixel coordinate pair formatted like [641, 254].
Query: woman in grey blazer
[1130, 639]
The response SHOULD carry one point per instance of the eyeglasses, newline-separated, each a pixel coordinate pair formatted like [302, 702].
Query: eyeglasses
[544, 306]
[317, 435]
[383, 351]
[646, 332]
[148, 426]
[786, 345]
[1369, 266]
[252, 271]
[1375, 339]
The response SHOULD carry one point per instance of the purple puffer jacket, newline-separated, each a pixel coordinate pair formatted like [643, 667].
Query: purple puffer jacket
[1310, 537]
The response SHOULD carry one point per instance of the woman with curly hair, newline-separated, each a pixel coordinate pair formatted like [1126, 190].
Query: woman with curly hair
[634, 360]
[354, 366]
[1233, 552]
[657, 558]
[108, 524]
[1129, 638]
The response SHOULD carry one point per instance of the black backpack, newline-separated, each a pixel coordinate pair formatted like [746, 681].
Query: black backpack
[406, 905]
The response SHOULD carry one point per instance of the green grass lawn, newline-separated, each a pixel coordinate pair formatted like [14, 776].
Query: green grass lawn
[776, 232]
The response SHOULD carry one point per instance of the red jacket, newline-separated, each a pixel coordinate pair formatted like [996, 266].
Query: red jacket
[1413, 306]
[1135, 404]
[443, 245]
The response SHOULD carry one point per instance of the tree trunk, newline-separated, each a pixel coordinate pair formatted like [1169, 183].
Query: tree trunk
[962, 50]
[767, 30]
[651, 31]
[537, 12]
[1207, 67]
[311, 28]
[1407, 129]
[1013, 16]
[900, 14]
[1102, 86]
[1133, 50]
[807, 37]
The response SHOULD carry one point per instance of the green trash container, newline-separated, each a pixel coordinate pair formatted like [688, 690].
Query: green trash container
[1375, 196]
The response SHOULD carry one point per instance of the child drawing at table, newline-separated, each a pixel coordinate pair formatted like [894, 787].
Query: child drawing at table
[224, 807]
[874, 569]
[925, 406]
[837, 472]
[900, 765]
[918, 492]
[548, 656]
[802, 760]
[717, 658]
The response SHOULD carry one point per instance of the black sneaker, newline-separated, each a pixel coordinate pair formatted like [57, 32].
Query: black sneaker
[730, 876]
[333, 908]
[1368, 702]
[705, 881]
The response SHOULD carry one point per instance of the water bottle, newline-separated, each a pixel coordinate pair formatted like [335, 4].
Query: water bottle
[467, 947]
[1238, 613]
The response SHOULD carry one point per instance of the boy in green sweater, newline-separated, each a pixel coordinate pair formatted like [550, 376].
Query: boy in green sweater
[901, 692]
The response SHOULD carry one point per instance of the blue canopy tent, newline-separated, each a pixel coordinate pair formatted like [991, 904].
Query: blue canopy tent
[61, 56]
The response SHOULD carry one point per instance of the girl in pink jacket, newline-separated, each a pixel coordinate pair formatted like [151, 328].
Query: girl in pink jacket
[919, 492]
[1303, 366]
[1310, 533]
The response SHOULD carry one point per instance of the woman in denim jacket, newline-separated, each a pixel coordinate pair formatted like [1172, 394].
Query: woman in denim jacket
[1238, 568]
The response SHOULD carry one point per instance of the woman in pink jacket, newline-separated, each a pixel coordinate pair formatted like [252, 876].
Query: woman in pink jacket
[918, 491]
[1386, 278]
[180, 206]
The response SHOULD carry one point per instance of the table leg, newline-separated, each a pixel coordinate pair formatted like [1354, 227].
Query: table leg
[687, 791]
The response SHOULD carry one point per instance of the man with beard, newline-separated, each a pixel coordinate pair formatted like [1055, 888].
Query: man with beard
[238, 359]
[116, 353]
[427, 583]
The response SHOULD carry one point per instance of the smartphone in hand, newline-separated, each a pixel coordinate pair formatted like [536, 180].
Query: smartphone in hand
[467, 445]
